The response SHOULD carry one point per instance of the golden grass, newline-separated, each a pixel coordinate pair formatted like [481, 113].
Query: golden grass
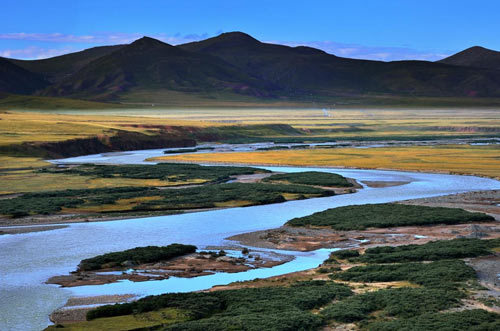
[464, 159]
[128, 322]
[10, 162]
[233, 203]
[120, 205]
[18, 127]
[32, 181]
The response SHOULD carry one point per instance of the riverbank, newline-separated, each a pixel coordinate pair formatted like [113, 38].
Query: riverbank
[307, 239]
[10, 223]
[227, 259]
[449, 159]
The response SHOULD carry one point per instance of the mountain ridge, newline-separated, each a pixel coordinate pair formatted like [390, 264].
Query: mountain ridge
[236, 66]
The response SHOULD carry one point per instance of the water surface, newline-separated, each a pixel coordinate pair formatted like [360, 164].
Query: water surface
[28, 260]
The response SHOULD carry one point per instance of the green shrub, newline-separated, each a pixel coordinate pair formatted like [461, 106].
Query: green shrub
[311, 178]
[466, 320]
[138, 255]
[401, 302]
[345, 254]
[431, 251]
[360, 217]
[265, 308]
[437, 273]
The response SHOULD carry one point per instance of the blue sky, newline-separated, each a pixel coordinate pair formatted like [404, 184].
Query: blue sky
[371, 29]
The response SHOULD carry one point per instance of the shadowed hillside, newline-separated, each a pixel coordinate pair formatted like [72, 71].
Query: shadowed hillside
[14, 79]
[307, 71]
[236, 68]
[476, 56]
[149, 64]
[57, 68]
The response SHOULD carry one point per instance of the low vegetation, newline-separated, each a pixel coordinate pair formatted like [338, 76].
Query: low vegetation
[427, 274]
[141, 199]
[316, 178]
[402, 302]
[266, 308]
[138, 255]
[386, 215]
[181, 173]
[421, 295]
[473, 320]
[431, 251]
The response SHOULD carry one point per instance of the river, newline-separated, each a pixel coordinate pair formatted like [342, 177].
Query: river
[28, 260]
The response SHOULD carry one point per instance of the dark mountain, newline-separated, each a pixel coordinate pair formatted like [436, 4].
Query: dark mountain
[14, 79]
[147, 65]
[57, 68]
[306, 71]
[236, 67]
[476, 56]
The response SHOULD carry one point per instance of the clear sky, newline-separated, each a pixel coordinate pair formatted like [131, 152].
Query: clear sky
[372, 29]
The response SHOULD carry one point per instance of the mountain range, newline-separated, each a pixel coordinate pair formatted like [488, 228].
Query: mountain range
[235, 66]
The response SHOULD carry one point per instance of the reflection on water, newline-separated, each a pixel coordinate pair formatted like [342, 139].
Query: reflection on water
[27, 260]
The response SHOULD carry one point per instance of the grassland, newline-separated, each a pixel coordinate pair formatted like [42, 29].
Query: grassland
[157, 318]
[20, 175]
[152, 199]
[460, 159]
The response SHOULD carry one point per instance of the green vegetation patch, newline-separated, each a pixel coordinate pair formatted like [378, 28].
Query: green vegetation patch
[470, 320]
[311, 178]
[431, 251]
[163, 171]
[402, 302]
[138, 255]
[432, 274]
[266, 308]
[209, 196]
[386, 215]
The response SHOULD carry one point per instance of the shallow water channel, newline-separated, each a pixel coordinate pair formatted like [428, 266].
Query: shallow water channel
[28, 260]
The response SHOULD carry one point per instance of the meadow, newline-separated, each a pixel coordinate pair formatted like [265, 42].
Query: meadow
[457, 159]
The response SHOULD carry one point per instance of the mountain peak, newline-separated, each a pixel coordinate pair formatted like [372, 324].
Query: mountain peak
[148, 41]
[475, 56]
[236, 36]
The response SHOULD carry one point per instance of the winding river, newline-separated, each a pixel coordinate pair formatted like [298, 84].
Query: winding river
[28, 260]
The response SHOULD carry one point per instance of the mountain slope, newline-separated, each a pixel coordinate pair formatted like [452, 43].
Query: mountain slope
[305, 71]
[476, 56]
[149, 64]
[57, 68]
[14, 79]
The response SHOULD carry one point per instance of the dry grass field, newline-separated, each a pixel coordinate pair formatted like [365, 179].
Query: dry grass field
[462, 159]
[18, 174]
[18, 127]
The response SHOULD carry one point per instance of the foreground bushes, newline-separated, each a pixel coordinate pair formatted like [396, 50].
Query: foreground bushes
[431, 251]
[311, 178]
[386, 215]
[427, 274]
[401, 302]
[473, 320]
[265, 308]
[136, 255]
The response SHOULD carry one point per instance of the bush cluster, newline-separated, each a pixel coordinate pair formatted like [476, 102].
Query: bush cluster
[311, 178]
[138, 255]
[384, 215]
